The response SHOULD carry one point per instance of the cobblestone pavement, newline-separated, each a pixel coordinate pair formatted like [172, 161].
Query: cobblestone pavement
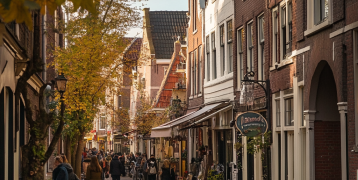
[122, 178]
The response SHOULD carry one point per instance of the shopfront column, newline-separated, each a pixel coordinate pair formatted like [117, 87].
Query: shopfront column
[342, 108]
[310, 116]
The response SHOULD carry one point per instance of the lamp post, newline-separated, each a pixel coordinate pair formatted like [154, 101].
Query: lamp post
[61, 83]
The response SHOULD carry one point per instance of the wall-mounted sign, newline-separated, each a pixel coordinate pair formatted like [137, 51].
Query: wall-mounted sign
[251, 124]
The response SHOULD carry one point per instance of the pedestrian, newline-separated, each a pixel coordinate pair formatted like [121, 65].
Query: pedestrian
[167, 173]
[94, 170]
[138, 159]
[144, 166]
[71, 173]
[60, 172]
[152, 168]
[116, 168]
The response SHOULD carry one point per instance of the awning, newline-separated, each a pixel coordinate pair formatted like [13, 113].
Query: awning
[210, 115]
[165, 130]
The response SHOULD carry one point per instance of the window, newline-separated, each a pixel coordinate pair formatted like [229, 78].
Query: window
[283, 32]
[102, 122]
[222, 48]
[278, 112]
[195, 71]
[214, 55]
[286, 30]
[229, 45]
[194, 15]
[199, 70]
[279, 154]
[261, 49]
[320, 11]
[192, 73]
[120, 101]
[240, 63]
[289, 112]
[250, 49]
[207, 58]
[275, 37]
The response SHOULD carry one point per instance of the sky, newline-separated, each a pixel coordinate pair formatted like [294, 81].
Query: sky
[156, 5]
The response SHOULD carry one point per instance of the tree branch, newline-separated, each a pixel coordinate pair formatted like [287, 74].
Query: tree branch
[56, 136]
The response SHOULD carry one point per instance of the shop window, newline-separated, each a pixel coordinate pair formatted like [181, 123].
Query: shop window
[222, 48]
[229, 45]
[289, 121]
[261, 49]
[250, 47]
[207, 59]
[240, 57]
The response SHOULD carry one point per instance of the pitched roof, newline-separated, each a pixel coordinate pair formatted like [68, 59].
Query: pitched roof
[166, 26]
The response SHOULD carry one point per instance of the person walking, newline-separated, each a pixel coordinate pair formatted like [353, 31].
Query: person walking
[94, 170]
[116, 168]
[60, 172]
[152, 168]
[144, 166]
[167, 173]
[71, 173]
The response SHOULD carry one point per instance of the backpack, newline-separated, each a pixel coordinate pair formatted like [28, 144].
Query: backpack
[152, 169]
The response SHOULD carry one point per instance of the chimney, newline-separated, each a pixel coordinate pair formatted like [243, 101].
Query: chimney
[177, 46]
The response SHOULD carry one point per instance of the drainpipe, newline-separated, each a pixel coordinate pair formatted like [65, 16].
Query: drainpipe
[44, 42]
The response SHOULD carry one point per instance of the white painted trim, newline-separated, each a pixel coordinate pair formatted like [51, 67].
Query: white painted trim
[342, 108]
[163, 61]
[344, 29]
[300, 51]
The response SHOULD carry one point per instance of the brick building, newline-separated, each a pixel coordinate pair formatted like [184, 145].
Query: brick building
[18, 47]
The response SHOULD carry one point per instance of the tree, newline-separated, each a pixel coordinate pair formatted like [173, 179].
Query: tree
[93, 62]
[20, 10]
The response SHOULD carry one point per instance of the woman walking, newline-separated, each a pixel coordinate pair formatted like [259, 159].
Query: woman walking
[94, 170]
[60, 172]
[167, 172]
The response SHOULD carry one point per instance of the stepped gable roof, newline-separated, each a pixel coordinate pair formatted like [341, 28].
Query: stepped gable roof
[166, 26]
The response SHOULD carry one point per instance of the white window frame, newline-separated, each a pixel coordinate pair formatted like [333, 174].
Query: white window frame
[200, 67]
[222, 43]
[261, 45]
[240, 57]
[100, 121]
[230, 57]
[195, 59]
[284, 57]
[214, 57]
[250, 59]
[208, 60]
[191, 56]
[311, 26]
[274, 37]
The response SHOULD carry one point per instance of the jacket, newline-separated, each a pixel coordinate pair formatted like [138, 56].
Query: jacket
[91, 175]
[71, 174]
[165, 173]
[116, 167]
[60, 173]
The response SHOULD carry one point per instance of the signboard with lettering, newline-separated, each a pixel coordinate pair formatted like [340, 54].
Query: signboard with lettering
[251, 124]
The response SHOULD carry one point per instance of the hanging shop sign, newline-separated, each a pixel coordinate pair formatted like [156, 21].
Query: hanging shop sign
[251, 124]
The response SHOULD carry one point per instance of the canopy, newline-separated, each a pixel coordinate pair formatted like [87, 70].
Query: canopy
[165, 130]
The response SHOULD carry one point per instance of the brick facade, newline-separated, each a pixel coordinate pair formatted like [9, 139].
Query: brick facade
[195, 39]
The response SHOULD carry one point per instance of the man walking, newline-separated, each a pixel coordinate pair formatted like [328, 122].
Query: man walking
[152, 168]
[116, 168]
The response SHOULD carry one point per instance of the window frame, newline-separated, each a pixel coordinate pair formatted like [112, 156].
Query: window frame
[207, 58]
[214, 64]
[102, 121]
[222, 49]
[291, 111]
[250, 49]
[261, 47]
[229, 34]
[240, 56]
[275, 35]
[200, 64]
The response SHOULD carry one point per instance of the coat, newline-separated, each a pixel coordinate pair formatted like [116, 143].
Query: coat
[91, 175]
[60, 173]
[71, 174]
[116, 167]
[152, 163]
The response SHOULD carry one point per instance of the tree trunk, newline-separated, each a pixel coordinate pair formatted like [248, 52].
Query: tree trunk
[74, 150]
[68, 148]
[36, 170]
[79, 154]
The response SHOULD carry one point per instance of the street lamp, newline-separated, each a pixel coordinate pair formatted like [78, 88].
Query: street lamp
[61, 82]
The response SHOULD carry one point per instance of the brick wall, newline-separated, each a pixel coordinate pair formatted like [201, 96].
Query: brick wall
[194, 41]
[327, 150]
